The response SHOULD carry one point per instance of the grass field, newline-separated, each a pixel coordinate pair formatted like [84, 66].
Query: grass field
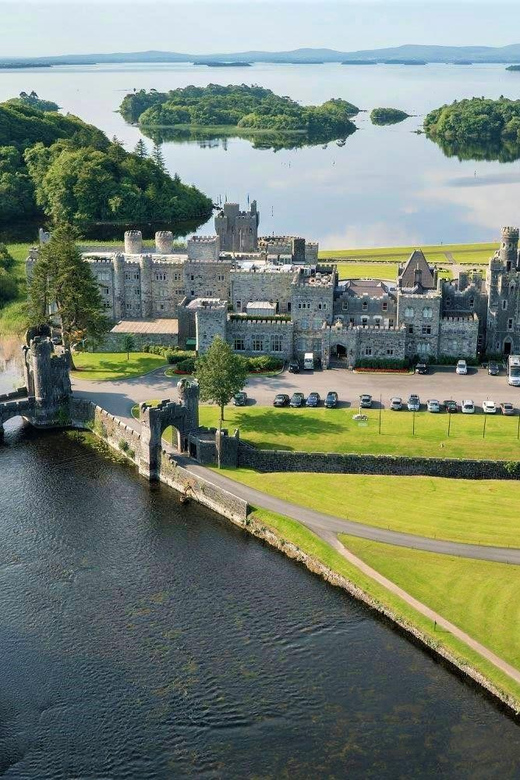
[379, 271]
[334, 430]
[458, 510]
[13, 315]
[480, 597]
[293, 531]
[97, 366]
[435, 253]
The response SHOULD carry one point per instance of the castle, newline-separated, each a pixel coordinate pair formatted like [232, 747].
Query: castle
[271, 295]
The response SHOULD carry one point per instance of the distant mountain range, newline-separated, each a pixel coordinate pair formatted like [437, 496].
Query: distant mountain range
[408, 52]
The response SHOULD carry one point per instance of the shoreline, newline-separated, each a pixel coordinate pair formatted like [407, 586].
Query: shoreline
[253, 524]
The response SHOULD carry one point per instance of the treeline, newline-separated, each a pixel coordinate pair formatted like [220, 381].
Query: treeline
[248, 107]
[476, 121]
[66, 170]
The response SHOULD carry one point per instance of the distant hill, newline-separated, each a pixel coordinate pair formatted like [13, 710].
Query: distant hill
[407, 52]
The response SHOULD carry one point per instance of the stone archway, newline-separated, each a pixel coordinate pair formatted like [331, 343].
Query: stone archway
[508, 346]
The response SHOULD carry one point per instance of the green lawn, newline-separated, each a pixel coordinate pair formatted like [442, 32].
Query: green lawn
[435, 253]
[380, 271]
[13, 315]
[334, 430]
[97, 366]
[480, 597]
[474, 512]
[294, 532]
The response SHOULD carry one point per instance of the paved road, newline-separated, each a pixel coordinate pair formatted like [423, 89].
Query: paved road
[118, 397]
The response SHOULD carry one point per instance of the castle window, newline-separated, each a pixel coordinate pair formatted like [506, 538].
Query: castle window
[351, 321]
[389, 352]
[410, 328]
[344, 305]
[510, 324]
[136, 291]
[176, 277]
[239, 345]
[276, 343]
[289, 306]
[471, 303]
[504, 304]
[364, 322]
[512, 289]
[136, 275]
[426, 330]
[192, 278]
[391, 323]
[365, 305]
[423, 348]
[377, 322]
[258, 344]
[368, 351]
[128, 305]
[384, 306]
[427, 313]
[409, 312]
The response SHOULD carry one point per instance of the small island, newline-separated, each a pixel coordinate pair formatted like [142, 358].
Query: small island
[359, 62]
[477, 129]
[33, 101]
[21, 65]
[221, 64]
[514, 68]
[238, 110]
[387, 116]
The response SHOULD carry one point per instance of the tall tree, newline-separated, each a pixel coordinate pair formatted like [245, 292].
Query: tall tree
[220, 374]
[128, 344]
[140, 149]
[158, 157]
[63, 288]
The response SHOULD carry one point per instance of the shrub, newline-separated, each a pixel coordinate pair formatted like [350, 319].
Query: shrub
[392, 364]
[123, 445]
[263, 363]
[131, 454]
[187, 365]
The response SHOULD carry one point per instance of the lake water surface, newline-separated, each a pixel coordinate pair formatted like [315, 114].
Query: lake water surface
[385, 186]
[144, 639]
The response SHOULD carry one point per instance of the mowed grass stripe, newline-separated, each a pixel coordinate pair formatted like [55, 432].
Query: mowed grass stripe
[480, 597]
[473, 512]
[334, 430]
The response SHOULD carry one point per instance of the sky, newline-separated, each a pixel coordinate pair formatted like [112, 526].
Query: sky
[36, 27]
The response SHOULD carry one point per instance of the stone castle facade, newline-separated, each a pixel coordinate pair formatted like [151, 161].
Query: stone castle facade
[271, 295]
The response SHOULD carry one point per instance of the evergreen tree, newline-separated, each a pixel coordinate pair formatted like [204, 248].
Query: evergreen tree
[220, 374]
[63, 287]
[158, 157]
[140, 149]
[128, 344]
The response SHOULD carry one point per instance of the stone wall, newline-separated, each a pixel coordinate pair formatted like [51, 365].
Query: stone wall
[331, 463]
[261, 337]
[113, 342]
[85, 414]
[459, 336]
[248, 286]
[196, 487]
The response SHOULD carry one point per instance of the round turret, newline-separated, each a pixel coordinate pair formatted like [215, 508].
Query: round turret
[164, 241]
[133, 242]
[509, 247]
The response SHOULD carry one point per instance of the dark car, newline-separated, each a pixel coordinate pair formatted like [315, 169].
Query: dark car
[421, 368]
[297, 399]
[365, 401]
[240, 399]
[493, 369]
[313, 399]
[450, 406]
[281, 399]
[331, 400]
[294, 367]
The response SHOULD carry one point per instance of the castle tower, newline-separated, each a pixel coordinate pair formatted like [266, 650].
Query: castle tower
[509, 247]
[145, 262]
[238, 230]
[119, 286]
[188, 390]
[133, 242]
[164, 241]
[210, 322]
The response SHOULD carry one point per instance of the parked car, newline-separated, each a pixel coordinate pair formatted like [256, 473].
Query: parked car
[281, 399]
[240, 399]
[331, 400]
[294, 367]
[414, 403]
[507, 408]
[467, 407]
[461, 367]
[433, 406]
[451, 406]
[365, 401]
[493, 369]
[489, 407]
[313, 399]
[396, 403]
[297, 400]
[421, 368]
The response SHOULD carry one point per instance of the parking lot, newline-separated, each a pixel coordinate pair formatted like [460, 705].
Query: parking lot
[441, 383]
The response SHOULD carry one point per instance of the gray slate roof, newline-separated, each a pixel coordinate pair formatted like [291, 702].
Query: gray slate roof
[416, 273]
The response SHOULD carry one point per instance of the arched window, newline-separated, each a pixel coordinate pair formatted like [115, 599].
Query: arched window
[427, 313]
[409, 312]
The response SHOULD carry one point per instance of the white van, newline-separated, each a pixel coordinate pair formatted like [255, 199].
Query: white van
[308, 361]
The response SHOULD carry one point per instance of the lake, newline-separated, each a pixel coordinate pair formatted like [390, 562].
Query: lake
[145, 639]
[386, 186]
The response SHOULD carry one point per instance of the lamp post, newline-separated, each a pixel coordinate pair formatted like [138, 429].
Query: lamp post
[380, 411]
